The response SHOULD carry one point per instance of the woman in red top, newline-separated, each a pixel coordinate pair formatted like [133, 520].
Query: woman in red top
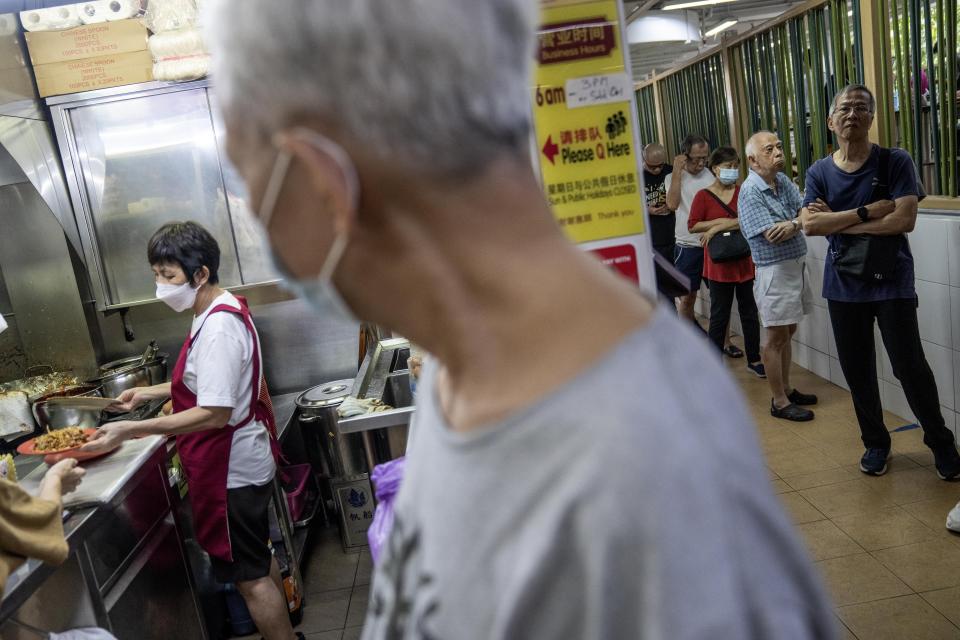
[714, 210]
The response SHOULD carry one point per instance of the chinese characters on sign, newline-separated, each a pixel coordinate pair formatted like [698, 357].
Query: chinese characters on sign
[584, 127]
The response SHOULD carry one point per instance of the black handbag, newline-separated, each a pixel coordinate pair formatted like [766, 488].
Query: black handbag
[729, 245]
[868, 257]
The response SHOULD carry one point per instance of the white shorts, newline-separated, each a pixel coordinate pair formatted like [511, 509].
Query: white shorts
[782, 292]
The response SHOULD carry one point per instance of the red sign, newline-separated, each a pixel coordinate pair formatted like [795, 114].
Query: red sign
[580, 40]
[621, 258]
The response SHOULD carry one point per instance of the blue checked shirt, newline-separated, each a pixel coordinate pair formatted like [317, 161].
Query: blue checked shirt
[759, 208]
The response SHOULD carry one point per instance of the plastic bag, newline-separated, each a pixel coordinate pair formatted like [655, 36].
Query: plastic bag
[170, 15]
[386, 480]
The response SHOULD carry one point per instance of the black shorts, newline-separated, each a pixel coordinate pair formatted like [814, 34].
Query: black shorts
[249, 532]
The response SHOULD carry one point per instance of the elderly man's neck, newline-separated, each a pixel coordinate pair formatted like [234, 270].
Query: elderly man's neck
[768, 175]
[853, 150]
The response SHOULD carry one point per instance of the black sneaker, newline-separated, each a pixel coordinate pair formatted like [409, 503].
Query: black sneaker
[874, 462]
[802, 399]
[791, 412]
[757, 370]
[947, 462]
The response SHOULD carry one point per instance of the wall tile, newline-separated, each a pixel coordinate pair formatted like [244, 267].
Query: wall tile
[896, 403]
[816, 280]
[955, 312]
[817, 247]
[823, 330]
[934, 313]
[950, 418]
[956, 380]
[836, 374]
[953, 244]
[941, 361]
[820, 364]
[801, 355]
[929, 245]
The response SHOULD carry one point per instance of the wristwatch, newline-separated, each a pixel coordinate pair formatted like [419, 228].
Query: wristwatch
[864, 213]
[796, 224]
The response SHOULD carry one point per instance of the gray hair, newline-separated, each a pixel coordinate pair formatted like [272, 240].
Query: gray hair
[750, 150]
[443, 85]
[850, 88]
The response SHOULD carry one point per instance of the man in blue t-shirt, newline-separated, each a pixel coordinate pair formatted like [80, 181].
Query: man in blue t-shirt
[841, 201]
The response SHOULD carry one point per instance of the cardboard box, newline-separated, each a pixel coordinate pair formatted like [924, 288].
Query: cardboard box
[88, 41]
[93, 73]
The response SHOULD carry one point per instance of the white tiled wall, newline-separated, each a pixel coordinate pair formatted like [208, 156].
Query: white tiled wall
[936, 248]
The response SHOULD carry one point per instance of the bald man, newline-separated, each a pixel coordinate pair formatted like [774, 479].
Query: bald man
[662, 219]
[769, 208]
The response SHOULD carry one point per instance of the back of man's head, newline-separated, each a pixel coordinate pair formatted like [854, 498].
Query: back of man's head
[439, 85]
[654, 153]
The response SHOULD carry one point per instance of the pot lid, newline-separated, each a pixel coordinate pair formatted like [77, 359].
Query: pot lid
[328, 394]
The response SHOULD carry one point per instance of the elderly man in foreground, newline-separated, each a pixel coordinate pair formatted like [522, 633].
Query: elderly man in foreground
[574, 492]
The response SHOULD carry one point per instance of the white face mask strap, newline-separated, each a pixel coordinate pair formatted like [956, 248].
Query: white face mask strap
[335, 151]
[333, 258]
[272, 193]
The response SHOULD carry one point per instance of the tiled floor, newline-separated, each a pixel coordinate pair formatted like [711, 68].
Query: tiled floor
[880, 543]
[892, 568]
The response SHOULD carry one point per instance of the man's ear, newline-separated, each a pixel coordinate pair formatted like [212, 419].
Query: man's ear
[329, 169]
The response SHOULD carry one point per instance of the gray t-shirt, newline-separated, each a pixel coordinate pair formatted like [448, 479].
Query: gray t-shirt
[632, 502]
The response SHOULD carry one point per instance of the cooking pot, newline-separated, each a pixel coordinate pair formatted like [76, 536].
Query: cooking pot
[342, 454]
[52, 415]
[156, 367]
[120, 380]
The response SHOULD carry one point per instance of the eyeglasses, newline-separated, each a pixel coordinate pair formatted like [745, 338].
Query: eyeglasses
[697, 159]
[846, 109]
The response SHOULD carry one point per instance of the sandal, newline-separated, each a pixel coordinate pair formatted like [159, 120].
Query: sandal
[733, 351]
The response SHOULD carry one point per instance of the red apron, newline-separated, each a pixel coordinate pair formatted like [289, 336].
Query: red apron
[205, 455]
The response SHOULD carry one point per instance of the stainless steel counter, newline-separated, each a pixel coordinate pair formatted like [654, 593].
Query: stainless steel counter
[86, 525]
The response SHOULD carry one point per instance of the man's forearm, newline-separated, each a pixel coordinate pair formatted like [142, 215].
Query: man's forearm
[673, 193]
[825, 223]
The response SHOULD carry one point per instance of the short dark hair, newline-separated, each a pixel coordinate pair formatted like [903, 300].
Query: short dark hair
[722, 155]
[188, 245]
[850, 88]
[692, 141]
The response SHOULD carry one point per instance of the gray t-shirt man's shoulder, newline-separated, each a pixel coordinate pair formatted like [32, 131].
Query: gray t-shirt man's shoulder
[631, 503]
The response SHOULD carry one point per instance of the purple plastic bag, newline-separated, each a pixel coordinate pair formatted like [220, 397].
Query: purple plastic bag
[386, 479]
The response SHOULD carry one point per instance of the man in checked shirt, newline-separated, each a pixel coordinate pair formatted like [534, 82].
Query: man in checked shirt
[769, 205]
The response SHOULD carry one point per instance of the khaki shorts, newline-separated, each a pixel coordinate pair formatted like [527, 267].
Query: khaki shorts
[783, 294]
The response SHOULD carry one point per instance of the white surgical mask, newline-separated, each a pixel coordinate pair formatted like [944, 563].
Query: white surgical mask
[320, 292]
[729, 176]
[178, 297]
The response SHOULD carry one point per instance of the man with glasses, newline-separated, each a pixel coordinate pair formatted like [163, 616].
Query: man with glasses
[662, 219]
[690, 175]
[864, 199]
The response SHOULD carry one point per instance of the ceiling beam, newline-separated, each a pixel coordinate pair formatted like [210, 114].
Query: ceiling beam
[642, 8]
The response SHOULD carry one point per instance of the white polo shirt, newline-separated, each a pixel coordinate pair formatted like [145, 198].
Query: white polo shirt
[219, 372]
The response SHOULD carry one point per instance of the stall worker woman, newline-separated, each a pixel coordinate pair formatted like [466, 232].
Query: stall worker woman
[224, 432]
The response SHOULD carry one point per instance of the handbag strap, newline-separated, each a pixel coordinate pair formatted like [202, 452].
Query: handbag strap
[726, 207]
[881, 190]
